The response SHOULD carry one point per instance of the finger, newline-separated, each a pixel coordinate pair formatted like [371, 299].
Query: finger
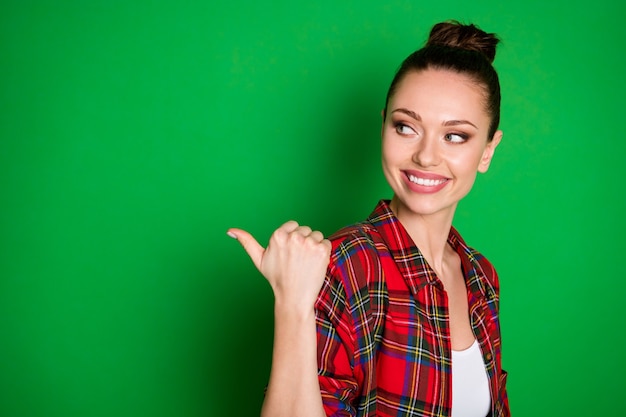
[317, 236]
[303, 230]
[280, 235]
[289, 226]
[250, 245]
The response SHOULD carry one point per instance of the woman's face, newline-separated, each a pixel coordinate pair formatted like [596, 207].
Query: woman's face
[434, 141]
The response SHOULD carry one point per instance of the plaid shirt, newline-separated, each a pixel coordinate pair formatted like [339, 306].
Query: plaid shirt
[383, 327]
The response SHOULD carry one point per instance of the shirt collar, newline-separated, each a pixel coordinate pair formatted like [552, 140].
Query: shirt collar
[412, 264]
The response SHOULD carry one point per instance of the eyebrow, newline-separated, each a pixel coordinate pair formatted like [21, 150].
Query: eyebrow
[417, 117]
[458, 122]
[409, 113]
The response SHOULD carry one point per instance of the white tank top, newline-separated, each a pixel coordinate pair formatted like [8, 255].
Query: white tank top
[470, 385]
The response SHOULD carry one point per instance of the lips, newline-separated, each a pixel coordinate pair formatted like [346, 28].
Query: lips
[425, 182]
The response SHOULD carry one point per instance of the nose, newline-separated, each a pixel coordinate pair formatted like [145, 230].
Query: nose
[426, 152]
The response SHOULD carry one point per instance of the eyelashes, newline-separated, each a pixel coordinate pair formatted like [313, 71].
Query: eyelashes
[456, 137]
[405, 130]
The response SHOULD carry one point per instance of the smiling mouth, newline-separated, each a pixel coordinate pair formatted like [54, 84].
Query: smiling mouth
[425, 181]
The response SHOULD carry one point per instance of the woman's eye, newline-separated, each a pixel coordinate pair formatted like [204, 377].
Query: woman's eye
[403, 129]
[455, 137]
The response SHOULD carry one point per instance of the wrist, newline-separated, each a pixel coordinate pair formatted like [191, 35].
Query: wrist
[294, 312]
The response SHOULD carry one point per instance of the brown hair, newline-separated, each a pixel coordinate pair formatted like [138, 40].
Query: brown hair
[461, 48]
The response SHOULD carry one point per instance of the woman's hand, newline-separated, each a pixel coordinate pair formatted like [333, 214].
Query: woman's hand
[294, 263]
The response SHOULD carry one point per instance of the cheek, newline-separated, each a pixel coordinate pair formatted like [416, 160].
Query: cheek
[391, 158]
[387, 152]
[465, 162]
[394, 150]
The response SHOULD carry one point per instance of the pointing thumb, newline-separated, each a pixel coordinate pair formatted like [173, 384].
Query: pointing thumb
[250, 245]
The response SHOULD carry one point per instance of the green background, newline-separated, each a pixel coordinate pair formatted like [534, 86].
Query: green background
[133, 134]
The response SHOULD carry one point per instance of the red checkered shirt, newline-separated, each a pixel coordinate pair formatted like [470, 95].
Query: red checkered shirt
[383, 326]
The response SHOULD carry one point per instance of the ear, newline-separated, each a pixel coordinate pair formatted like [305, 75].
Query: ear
[485, 160]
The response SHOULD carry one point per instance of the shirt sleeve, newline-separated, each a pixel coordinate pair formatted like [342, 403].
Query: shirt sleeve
[345, 329]
[338, 384]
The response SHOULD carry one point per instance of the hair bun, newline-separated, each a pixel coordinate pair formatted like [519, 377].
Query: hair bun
[469, 37]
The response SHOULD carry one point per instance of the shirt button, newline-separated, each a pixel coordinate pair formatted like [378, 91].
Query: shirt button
[488, 356]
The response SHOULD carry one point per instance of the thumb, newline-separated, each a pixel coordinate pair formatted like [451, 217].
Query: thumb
[250, 245]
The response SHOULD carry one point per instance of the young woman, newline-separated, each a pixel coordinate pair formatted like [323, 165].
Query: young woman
[406, 322]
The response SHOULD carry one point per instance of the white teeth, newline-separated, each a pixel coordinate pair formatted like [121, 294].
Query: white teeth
[425, 182]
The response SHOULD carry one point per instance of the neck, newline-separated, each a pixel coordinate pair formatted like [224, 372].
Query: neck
[429, 232]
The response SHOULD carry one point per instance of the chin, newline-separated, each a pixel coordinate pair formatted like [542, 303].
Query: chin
[422, 208]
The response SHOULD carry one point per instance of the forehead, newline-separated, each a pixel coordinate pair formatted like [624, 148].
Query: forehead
[440, 94]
